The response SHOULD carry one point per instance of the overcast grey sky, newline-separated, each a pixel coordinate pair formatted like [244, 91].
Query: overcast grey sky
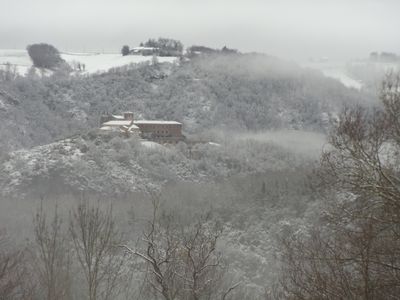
[295, 29]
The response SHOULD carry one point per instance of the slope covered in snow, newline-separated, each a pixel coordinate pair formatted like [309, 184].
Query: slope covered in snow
[97, 62]
[108, 164]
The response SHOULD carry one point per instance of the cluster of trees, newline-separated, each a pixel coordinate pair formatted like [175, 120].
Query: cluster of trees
[88, 257]
[201, 49]
[196, 50]
[352, 250]
[161, 47]
[45, 56]
[83, 249]
[166, 46]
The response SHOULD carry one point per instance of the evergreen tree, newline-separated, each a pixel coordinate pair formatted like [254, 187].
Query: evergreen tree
[125, 50]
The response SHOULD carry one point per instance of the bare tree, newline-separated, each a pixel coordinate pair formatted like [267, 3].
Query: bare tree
[53, 256]
[15, 278]
[203, 261]
[95, 239]
[182, 261]
[354, 252]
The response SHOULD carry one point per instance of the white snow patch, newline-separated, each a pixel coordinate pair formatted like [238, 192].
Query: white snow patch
[151, 145]
[17, 58]
[96, 62]
[2, 105]
[214, 144]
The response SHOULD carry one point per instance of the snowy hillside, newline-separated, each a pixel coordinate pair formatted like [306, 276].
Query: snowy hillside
[71, 165]
[94, 62]
[106, 164]
[335, 70]
[234, 92]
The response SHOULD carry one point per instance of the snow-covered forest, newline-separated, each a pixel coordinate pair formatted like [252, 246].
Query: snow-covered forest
[285, 181]
[115, 217]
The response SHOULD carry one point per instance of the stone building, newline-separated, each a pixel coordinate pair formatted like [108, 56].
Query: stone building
[154, 130]
[165, 131]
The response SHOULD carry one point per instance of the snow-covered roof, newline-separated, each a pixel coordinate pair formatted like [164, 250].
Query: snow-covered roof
[108, 128]
[151, 144]
[132, 127]
[123, 128]
[156, 122]
[118, 117]
[118, 123]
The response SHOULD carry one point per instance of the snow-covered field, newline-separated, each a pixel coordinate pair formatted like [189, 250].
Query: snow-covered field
[94, 62]
[17, 58]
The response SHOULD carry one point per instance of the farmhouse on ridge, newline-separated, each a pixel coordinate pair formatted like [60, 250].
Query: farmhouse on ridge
[155, 130]
[145, 51]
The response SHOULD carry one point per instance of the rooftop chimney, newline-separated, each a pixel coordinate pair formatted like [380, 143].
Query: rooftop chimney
[128, 115]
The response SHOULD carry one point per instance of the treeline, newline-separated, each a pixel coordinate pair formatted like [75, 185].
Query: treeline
[171, 47]
[159, 47]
